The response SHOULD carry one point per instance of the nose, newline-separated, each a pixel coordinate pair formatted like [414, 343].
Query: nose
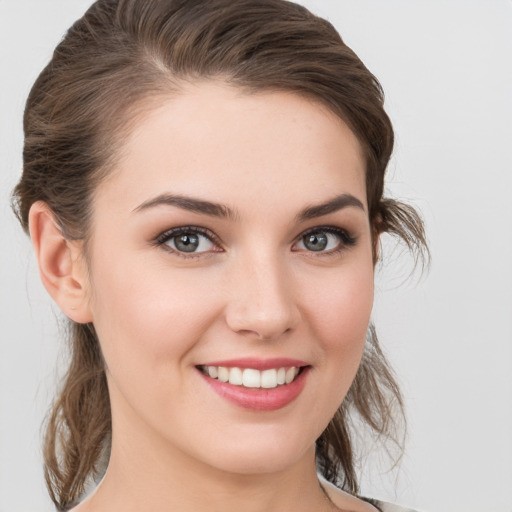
[262, 301]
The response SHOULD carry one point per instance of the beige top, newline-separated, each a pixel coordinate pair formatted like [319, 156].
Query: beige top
[344, 500]
[387, 507]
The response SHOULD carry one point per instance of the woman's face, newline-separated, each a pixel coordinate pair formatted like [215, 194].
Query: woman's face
[233, 233]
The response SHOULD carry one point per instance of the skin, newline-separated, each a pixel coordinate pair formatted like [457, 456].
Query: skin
[256, 290]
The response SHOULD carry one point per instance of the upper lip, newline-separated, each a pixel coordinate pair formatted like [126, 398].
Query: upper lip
[258, 363]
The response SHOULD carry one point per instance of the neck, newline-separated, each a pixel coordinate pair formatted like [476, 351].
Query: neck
[143, 485]
[145, 473]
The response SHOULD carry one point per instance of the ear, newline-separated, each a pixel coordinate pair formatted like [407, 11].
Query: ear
[61, 265]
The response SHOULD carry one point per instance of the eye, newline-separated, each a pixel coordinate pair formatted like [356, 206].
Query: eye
[325, 239]
[188, 240]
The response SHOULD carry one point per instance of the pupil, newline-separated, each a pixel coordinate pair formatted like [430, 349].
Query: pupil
[187, 243]
[315, 242]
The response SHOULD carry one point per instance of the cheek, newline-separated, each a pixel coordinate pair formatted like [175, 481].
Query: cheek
[344, 305]
[144, 312]
[148, 322]
[339, 315]
[339, 310]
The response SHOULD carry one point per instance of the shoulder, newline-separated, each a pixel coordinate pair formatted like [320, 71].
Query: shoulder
[388, 507]
[345, 500]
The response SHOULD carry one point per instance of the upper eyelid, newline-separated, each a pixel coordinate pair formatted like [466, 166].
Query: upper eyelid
[326, 227]
[329, 229]
[169, 233]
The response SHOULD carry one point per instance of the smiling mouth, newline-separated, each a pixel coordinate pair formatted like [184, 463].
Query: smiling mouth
[252, 378]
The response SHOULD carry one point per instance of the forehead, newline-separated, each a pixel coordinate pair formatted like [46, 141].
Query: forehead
[218, 142]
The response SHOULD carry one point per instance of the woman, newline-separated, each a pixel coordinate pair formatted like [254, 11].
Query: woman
[203, 186]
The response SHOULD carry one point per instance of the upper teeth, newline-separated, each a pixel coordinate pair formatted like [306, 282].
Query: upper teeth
[251, 378]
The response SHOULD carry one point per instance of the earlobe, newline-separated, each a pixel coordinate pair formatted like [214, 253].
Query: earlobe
[61, 267]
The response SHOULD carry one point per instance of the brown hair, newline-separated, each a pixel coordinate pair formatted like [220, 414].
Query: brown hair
[122, 52]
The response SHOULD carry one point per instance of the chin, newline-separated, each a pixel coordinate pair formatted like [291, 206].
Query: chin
[268, 454]
[260, 464]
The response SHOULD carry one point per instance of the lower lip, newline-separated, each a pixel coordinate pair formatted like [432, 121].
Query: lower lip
[259, 399]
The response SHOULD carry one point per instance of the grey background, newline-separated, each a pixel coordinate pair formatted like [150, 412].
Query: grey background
[446, 67]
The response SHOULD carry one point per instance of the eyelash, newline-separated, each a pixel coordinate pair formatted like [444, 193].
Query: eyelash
[346, 240]
[161, 240]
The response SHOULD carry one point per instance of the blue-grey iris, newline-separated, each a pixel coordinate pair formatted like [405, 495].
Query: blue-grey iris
[186, 243]
[315, 241]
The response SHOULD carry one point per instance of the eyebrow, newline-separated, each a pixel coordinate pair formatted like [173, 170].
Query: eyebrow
[331, 206]
[190, 204]
[223, 211]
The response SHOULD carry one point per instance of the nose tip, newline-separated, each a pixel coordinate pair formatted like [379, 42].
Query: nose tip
[258, 321]
[263, 305]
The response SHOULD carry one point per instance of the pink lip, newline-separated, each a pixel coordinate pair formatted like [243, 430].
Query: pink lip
[259, 364]
[258, 399]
